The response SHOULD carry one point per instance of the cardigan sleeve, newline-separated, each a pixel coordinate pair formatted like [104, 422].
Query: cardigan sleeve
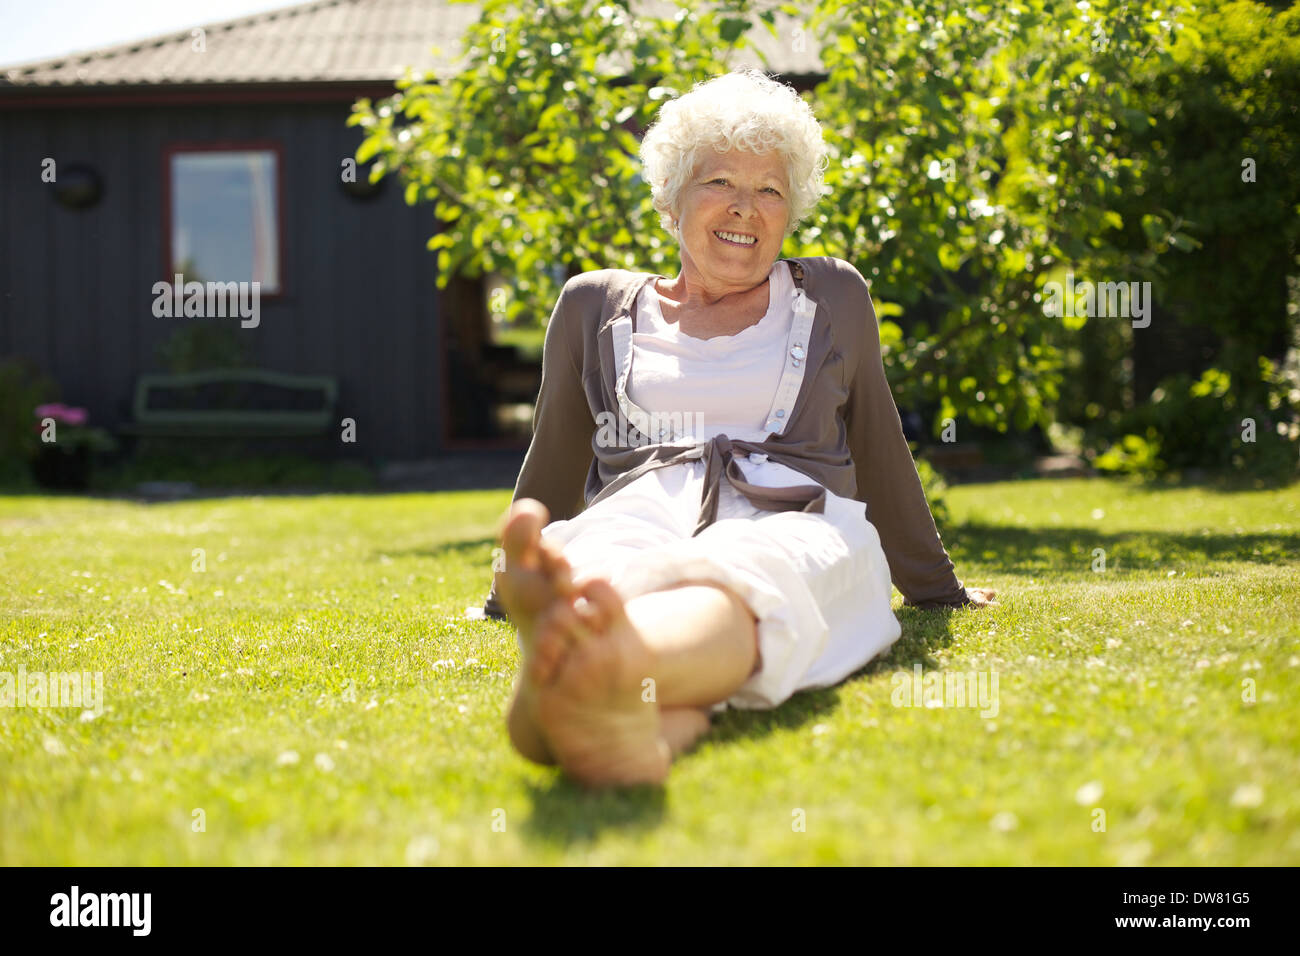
[559, 455]
[887, 478]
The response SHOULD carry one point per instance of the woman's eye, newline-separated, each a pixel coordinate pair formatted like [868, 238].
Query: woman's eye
[771, 189]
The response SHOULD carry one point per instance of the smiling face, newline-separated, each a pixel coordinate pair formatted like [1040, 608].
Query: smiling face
[732, 219]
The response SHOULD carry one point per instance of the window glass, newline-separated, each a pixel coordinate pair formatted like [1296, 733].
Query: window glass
[224, 217]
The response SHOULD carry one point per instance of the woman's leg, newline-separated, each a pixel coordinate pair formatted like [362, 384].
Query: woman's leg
[688, 641]
[704, 645]
[597, 671]
[599, 706]
[704, 640]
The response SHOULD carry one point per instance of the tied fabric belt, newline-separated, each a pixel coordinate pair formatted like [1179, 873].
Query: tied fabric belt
[719, 456]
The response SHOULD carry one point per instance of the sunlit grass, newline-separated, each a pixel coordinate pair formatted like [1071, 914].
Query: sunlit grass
[315, 691]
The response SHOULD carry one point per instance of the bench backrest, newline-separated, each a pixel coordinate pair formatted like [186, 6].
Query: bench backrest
[235, 398]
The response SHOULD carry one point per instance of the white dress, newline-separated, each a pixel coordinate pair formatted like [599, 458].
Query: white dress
[818, 584]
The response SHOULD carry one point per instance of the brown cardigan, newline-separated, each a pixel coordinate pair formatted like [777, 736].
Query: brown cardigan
[843, 430]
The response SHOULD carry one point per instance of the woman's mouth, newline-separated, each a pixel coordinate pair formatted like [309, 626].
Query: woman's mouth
[736, 238]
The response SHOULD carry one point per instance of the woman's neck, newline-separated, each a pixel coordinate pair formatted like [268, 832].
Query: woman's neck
[685, 293]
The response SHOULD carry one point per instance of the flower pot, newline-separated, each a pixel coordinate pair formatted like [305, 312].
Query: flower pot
[62, 468]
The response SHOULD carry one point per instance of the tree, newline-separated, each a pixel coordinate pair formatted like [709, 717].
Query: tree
[976, 150]
[530, 152]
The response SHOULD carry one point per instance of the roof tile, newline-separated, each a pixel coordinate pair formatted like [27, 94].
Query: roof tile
[323, 41]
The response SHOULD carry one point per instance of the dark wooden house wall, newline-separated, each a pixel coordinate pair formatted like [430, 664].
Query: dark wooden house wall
[359, 303]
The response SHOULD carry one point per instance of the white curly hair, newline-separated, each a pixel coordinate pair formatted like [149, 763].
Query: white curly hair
[744, 109]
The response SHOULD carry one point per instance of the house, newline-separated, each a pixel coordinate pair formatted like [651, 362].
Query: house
[217, 154]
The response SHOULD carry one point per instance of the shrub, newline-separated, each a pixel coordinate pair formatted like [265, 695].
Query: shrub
[1207, 423]
[935, 491]
[22, 389]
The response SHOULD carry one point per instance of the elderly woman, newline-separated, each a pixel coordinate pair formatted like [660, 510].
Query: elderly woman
[718, 490]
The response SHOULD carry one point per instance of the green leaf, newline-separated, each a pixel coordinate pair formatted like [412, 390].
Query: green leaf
[732, 28]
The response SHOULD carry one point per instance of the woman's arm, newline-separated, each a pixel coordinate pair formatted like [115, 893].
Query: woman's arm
[559, 454]
[888, 481]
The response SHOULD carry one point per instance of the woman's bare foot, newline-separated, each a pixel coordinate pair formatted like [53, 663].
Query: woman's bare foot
[682, 726]
[535, 577]
[578, 697]
[594, 713]
[535, 573]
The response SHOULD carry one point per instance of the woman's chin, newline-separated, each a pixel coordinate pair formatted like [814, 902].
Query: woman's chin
[734, 258]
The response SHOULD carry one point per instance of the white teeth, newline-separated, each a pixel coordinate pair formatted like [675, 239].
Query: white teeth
[733, 237]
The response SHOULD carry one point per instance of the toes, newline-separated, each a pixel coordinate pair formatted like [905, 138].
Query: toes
[596, 616]
[556, 567]
[532, 507]
[563, 618]
[681, 727]
[526, 549]
[603, 603]
[589, 614]
[547, 657]
[523, 532]
[560, 629]
[566, 625]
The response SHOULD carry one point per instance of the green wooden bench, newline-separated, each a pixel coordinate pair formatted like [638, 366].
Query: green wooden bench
[233, 402]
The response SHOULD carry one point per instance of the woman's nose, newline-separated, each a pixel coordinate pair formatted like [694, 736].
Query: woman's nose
[744, 203]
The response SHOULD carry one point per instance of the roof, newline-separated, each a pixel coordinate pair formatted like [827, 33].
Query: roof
[328, 41]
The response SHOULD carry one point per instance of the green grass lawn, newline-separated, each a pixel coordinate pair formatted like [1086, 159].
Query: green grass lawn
[317, 694]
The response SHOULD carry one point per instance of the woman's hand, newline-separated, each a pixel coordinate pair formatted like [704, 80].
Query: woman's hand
[975, 597]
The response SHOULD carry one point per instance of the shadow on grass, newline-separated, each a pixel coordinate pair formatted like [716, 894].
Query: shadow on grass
[441, 549]
[565, 813]
[1229, 483]
[803, 708]
[923, 631]
[1037, 550]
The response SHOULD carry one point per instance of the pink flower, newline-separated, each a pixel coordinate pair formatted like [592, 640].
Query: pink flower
[66, 414]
